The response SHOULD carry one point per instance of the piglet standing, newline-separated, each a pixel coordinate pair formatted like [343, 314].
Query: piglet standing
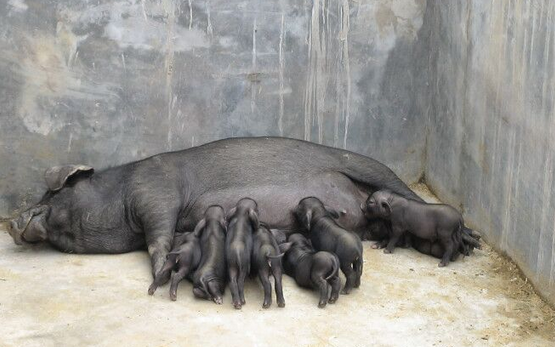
[312, 269]
[266, 261]
[243, 220]
[184, 259]
[427, 221]
[209, 279]
[327, 235]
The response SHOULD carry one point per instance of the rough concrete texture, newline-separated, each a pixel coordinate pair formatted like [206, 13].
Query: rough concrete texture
[52, 299]
[490, 146]
[111, 81]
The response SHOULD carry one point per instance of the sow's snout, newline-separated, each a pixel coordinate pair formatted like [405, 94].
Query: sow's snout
[15, 230]
[29, 226]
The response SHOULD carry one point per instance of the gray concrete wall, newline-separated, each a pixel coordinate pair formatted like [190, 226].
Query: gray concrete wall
[105, 82]
[490, 147]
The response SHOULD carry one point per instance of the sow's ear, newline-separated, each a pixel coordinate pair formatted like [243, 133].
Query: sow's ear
[57, 176]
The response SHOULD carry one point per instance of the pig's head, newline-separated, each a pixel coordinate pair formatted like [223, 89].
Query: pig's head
[246, 206]
[378, 205]
[32, 225]
[311, 209]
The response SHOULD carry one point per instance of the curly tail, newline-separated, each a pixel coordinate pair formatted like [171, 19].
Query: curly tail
[335, 268]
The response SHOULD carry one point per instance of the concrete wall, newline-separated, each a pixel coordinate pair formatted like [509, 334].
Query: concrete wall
[490, 147]
[105, 82]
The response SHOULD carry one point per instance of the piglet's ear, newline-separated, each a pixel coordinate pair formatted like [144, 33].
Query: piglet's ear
[253, 216]
[386, 208]
[223, 223]
[230, 213]
[57, 176]
[308, 219]
[334, 213]
[284, 247]
[200, 225]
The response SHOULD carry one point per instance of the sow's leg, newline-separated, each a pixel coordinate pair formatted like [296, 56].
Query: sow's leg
[159, 232]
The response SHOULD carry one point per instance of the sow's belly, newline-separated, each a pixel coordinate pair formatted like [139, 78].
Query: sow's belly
[276, 202]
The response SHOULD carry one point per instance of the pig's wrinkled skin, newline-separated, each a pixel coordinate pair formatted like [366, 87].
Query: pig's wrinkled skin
[266, 261]
[432, 222]
[182, 261]
[312, 269]
[242, 222]
[128, 207]
[209, 278]
[326, 235]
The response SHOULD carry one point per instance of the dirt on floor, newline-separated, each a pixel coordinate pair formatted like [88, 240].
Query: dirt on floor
[52, 299]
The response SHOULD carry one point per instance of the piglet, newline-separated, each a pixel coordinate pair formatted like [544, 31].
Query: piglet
[266, 261]
[184, 259]
[312, 269]
[209, 279]
[243, 220]
[432, 222]
[327, 235]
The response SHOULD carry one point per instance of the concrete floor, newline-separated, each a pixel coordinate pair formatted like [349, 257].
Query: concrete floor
[52, 299]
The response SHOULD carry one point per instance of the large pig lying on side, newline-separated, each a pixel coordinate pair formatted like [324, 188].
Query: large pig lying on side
[128, 207]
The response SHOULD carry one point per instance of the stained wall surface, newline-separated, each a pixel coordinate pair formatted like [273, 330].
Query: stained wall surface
[490, 142]
[110, 81]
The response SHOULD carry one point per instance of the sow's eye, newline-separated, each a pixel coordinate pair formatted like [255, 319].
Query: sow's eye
[58, 218]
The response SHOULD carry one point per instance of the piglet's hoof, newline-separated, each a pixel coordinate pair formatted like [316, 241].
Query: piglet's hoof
[387, 251]
[266, 305]
[442, 264]
[375, 245]
[322, 304]
[151, 290]
[218, 301]
[332, 300]
[345, 291]
[237, 305]
[281, 304]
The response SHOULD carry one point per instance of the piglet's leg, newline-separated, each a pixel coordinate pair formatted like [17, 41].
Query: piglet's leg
[351, 277]
[241, 286]
[322, 285]
[176, 278]
[392, 242]
[233, 286]
[379, 244]
[449, 247]
[279, 288]
[335, 288]
[264, 279]
[199, 293]
[215, 292]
